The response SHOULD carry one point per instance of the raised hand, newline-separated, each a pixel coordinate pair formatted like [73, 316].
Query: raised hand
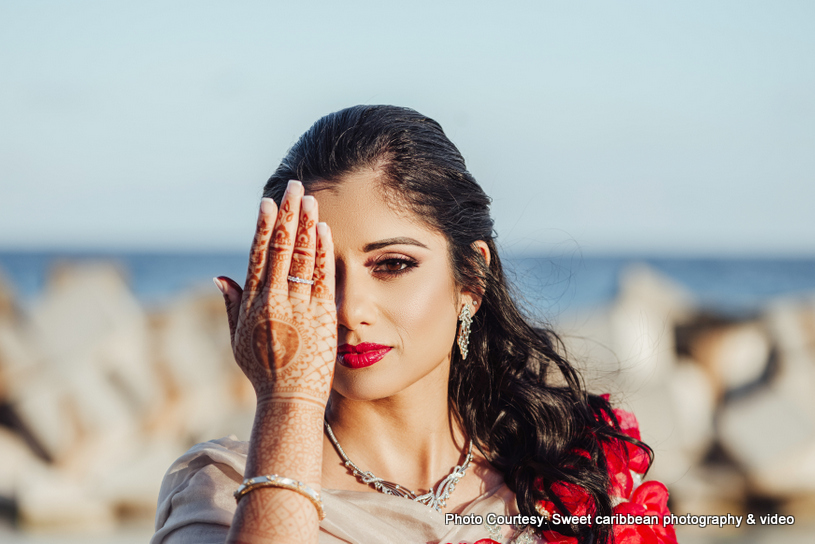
[284, 332]
[284, 337]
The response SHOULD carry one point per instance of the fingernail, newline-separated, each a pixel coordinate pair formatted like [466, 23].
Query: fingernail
[293, 185]
[307, 203]
[267, 205]
[322, 228]
[220, 285]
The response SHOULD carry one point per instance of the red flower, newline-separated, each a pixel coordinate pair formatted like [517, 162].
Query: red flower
[653, 496]
[637, 459]
[628, 423]
[546, 508]
[557, 538]
[617, 465]
[649, 499]
[576, 499]
[577, 502]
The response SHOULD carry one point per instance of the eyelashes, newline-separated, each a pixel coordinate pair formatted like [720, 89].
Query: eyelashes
[394, 266]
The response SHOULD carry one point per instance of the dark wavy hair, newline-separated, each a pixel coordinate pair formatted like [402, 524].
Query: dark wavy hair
[516, 395]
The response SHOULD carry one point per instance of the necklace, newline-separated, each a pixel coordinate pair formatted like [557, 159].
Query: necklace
[434, 499]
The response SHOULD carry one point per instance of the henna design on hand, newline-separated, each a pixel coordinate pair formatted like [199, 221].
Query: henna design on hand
[285, 439]
[257, 255]
[321, 289]
[280, 338]
[285, 333]
[302, 260]
[284, 338]
[281, 246]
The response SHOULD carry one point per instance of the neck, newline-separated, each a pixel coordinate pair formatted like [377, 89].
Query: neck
[411, 438]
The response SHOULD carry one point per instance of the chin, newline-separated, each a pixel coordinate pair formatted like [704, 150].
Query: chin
[350, 385]
[377, 383]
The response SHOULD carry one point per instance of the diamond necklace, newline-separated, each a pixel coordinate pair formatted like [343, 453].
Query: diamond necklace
[434, 499]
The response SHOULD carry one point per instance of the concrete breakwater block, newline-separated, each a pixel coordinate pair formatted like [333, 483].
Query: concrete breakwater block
[18, 358]
[17, 353]
[132, 484]
[791, 476]
[734, 355]
[111, 394]
[642, 320]
[88, 313]
[194, 352]
[17, 462]
[717, 489]
[94, 371]
[676, 420]
[792, 325]
[763, 432]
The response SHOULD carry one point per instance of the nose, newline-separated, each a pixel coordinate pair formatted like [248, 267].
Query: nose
[355, 303]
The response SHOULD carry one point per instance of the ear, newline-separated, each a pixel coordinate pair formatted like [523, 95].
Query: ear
[467, 296]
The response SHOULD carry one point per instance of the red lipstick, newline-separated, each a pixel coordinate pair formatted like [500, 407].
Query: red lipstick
[361, 355]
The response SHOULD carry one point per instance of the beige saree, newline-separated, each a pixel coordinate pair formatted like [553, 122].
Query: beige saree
[196, 506]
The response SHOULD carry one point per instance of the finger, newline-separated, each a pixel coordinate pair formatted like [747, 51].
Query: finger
[282, 242]
[302, 259]
[324, 271]
[232, 293]
[258, 254]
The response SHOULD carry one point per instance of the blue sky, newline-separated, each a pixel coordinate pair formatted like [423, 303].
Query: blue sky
[642, 127]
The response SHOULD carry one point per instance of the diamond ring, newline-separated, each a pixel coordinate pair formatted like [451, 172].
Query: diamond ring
[295, 279]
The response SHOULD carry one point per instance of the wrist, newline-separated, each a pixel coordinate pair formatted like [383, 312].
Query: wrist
[282, 397]
[287, 439]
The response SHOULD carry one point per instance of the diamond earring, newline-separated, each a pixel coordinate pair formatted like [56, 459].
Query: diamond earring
[463, 340]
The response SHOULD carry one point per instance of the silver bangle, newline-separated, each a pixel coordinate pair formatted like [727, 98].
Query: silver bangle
[273, 480]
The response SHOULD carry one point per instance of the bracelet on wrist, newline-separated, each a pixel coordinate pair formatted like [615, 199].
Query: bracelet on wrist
[273, 480]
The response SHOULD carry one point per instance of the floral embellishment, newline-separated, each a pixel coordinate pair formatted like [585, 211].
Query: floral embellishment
[649, 499]
[576, 499]
[637, 458]
[626, 463]
[557, 538]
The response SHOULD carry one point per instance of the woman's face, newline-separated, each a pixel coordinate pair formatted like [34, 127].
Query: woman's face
[395, 289]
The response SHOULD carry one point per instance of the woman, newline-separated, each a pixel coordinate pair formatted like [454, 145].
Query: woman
[441, 386]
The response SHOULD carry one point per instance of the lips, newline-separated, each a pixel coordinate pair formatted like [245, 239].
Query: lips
[361, 355]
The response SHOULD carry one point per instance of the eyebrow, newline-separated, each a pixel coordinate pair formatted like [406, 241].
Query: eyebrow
[373, 246]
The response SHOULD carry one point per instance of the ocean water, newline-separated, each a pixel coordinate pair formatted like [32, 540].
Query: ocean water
[551, 284]
[726, 285]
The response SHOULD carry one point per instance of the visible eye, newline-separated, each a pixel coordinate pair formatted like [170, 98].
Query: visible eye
[394, 266]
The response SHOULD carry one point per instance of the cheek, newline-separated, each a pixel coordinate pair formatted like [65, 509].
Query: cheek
[425, 310]
[418, 315]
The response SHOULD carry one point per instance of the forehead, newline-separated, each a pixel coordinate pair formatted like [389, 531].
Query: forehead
[359, 213]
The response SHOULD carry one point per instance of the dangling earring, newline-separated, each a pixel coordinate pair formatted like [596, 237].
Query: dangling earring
[463, 340]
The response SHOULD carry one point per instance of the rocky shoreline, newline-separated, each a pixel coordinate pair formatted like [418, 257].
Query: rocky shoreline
[98, 395]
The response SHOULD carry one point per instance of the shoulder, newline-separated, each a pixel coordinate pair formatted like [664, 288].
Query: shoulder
[195, 503]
